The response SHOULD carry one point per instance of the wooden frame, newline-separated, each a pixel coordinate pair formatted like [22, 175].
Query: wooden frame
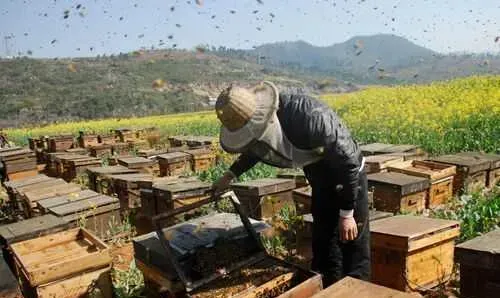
[81, 251]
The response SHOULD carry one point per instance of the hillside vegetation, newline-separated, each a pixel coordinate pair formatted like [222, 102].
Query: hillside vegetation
[461, 114]
[35, 91]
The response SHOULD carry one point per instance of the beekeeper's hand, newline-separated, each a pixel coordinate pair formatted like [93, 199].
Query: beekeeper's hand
[223, 183]
[348, 230]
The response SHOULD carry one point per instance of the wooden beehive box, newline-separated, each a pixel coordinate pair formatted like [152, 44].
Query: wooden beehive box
[101, 150]
[471, 172]
[201, 159]
[52, 164]
[64, 264]
[125, 182]
[125, 134]
[87, 140]
[75, 168]
[174, 163]
[141, 164]
[60, 143]
[99, 177]
[94, 212]
[304, 233]
[349, 287]
[45, 204]
[106, 139]
[220, 233]
[62, 162]
[12, 186]
[493, 172]
[81, 151]
[297, 175]
[18, 163]
[121, 149]
[381, 148]
[479, 260]
[410, 251]
[440, 177]
[263, 198]
[151, 153]
[397, 192]
[379, 163]
[200, 141]
[32, 196]
[28, 229]
[178, 141]
[303, 199]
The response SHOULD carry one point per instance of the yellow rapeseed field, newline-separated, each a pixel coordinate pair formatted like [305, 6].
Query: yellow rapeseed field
[462, 114]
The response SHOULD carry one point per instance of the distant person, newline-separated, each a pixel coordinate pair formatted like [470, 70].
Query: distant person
[298, 131]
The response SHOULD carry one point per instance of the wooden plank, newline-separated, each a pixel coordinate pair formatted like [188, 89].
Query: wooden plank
[371, 149]
[265, 186]
[44, 242]
[35, 195]
[79, 286]
[78, 206]
[351, 287]
[40, 185]
[135, 162]
[76, 254]
[494, 159]
[174, 157]
[45, 204]
[27, 181]
[92, 213]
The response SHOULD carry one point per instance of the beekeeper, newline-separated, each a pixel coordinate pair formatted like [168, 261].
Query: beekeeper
[298, 131]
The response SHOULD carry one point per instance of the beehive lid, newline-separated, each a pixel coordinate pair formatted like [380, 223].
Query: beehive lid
[132, 177]
[16, 154]
[427, 169]
[372, 148]
[494, 159]
[27, 181]
[375, 163]
[90, 204]
[408, 233]
[111, 170]
[71, 156]
[352, 287]
[67, 198]
[199, 153]
[473, 164]
[174, 156]
[483, 251]
[184, 189]
[135, 162]
[398, 148]
[265, 186]
[31, 228]
[101, 147]
[406, 183]
[148, 153]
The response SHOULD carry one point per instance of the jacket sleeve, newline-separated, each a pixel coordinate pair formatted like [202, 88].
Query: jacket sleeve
[341, 152]
[242, 164]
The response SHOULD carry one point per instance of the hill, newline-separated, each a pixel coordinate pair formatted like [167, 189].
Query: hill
[35, 91]
[380, 59]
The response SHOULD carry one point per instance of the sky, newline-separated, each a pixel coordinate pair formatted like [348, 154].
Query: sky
[64, 28]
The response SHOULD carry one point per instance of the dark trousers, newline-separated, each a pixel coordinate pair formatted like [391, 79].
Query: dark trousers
[333, 258]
